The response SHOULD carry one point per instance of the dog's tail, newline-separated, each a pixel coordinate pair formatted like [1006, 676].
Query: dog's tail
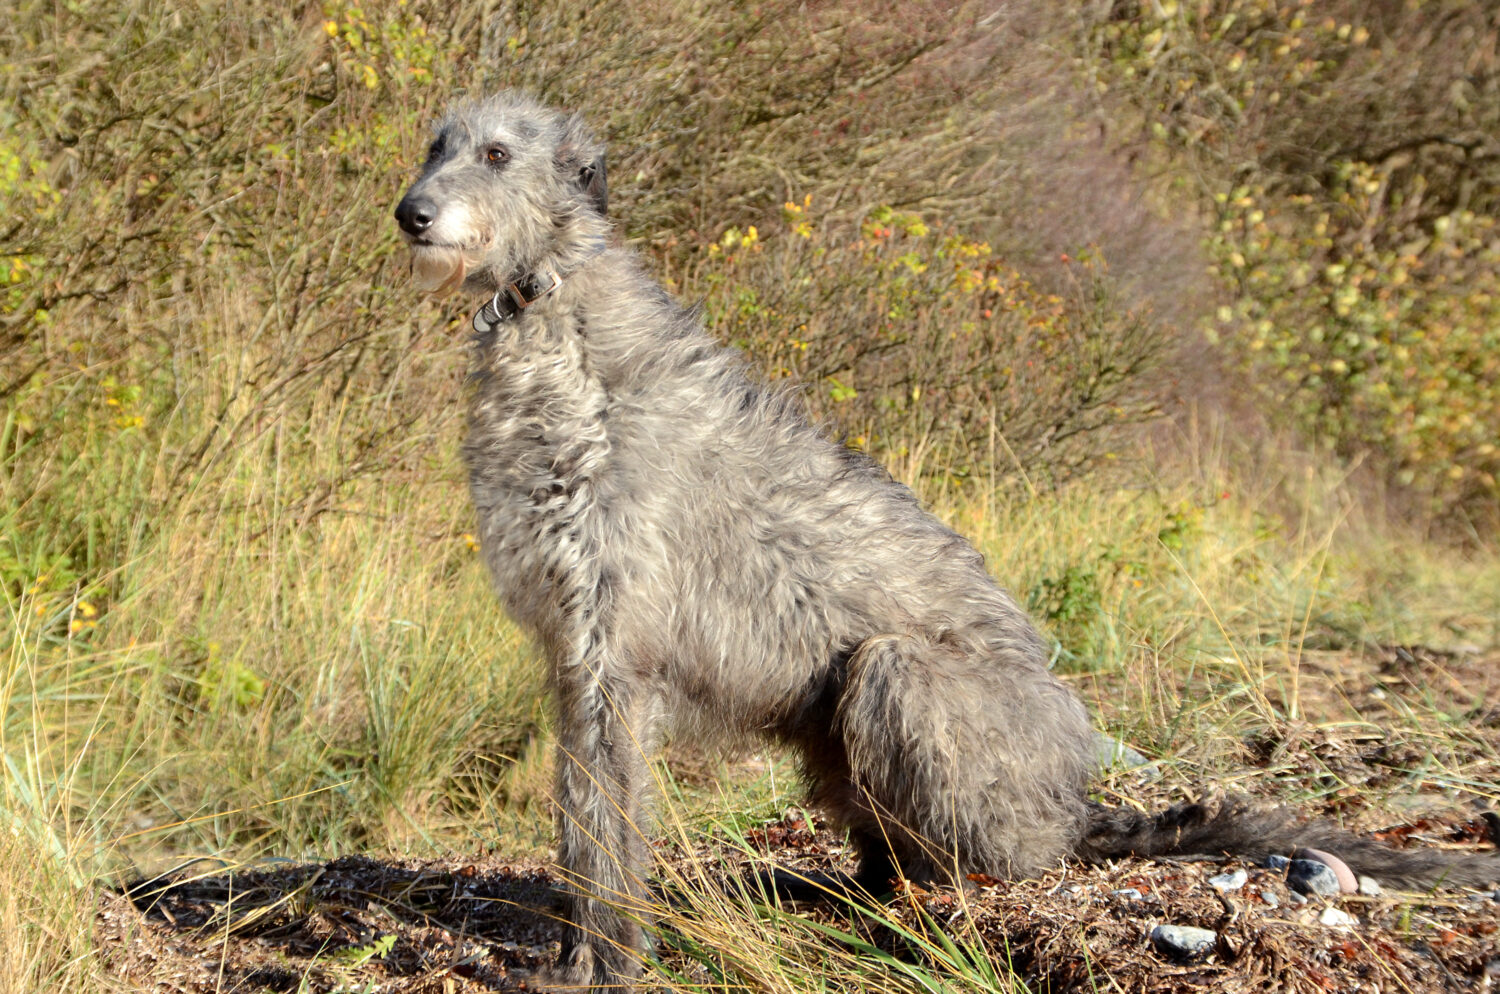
[1238, 828]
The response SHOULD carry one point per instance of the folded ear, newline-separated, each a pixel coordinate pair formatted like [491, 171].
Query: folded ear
[595, 186]
[580, 160]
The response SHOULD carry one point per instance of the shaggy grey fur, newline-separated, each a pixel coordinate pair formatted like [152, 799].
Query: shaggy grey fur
[684, 544]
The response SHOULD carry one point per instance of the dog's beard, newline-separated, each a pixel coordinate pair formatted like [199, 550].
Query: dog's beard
[440, 268]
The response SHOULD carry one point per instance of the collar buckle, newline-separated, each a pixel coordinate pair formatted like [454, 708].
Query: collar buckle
[528, 289]
[514, 297]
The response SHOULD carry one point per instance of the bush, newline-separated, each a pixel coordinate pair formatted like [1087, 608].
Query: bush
[247, 278]
[1349, 160]
[931, 351]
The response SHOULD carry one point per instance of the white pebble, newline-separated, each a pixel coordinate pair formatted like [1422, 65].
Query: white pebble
[1226, 882]
[1338, 918]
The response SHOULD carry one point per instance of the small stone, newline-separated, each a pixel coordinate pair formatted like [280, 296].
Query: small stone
[1279, 863]
[1306, 876]
[1183, 941]
[1369, 886]
[1114, 754]
[1269, 896]
[1337, 918]
[1128, 893]
[1347, 882]
[1295, 899]
[1226, 882]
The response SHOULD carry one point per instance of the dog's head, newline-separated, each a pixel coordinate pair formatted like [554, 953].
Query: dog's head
[508, 186]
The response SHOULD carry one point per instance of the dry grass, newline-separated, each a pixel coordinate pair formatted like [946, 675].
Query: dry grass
[1236, 652]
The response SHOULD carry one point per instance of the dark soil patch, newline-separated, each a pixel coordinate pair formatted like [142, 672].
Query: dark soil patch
[353, 924]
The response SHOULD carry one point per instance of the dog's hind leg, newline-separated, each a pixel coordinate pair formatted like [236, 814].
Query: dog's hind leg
[964, 759]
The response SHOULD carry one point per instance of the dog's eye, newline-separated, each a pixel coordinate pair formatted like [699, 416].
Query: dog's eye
[497, 155]
[435, 151]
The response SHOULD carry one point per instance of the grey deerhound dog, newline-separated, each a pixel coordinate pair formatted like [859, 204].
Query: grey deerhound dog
[685, 545]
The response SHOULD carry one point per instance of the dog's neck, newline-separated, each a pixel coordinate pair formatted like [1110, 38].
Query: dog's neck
[515, 295]
[529, 284]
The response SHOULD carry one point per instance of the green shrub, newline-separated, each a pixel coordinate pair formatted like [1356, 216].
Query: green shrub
[1347, 151]
[1389, 352]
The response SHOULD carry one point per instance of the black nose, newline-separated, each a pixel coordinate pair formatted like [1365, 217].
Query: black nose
[415, 214]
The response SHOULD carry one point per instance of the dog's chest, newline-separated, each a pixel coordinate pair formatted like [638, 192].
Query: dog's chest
[536, 444]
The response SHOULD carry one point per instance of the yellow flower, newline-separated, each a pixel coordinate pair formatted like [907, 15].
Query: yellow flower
[793, 213]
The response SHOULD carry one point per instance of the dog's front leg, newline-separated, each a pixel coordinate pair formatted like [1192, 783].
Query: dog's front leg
[601, 777]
